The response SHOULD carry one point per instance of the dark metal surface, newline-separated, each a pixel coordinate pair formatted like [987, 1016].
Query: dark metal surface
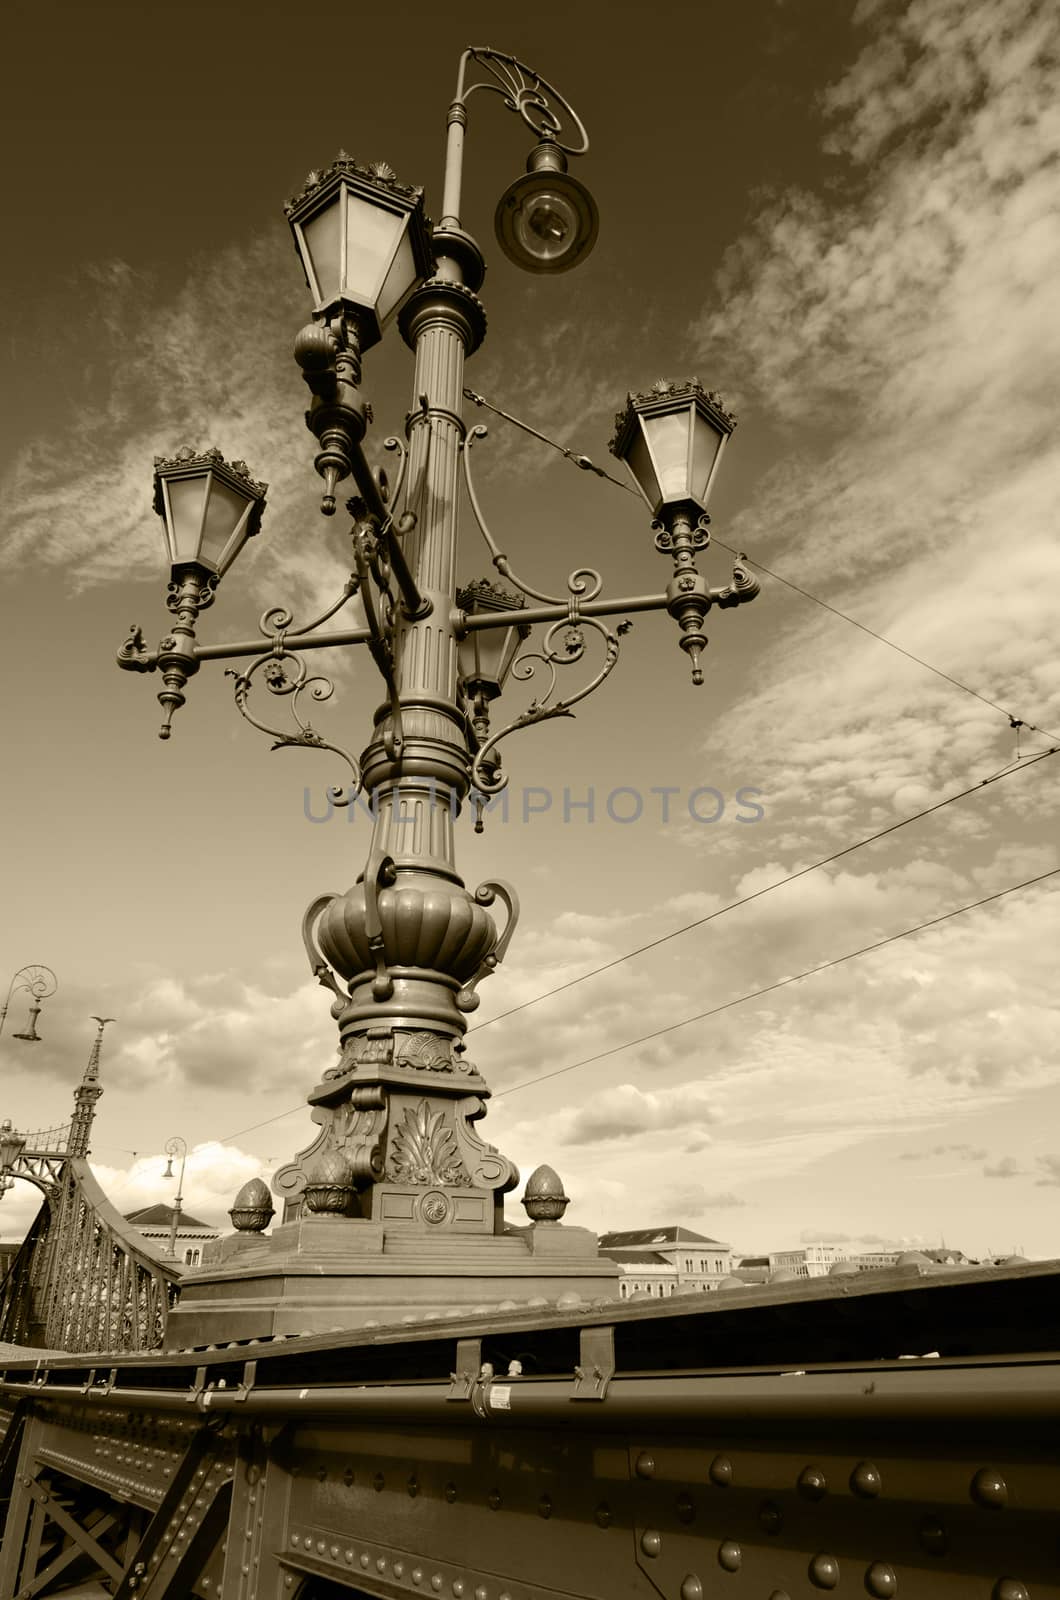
[770, 1442]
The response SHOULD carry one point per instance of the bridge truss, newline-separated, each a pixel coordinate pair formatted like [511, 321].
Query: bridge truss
[889, 1436]
[82, 1279]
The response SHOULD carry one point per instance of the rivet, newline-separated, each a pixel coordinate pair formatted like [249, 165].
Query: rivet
[691, 1588]
[1009, 1589]
[378, 1482]
[865, 1480]
[457, 1587]
[824, 1572]
[651, 1542]
[544, 1507]
[347, 1477]
[603, 1515]
[321, 1546]
[295, 1539]
[685, 1508]
[399, 1569]
[417, 1574]
[436, 1581]
[334, 1552]
[413, 1486]
[770, 1516]
[288, 1581]
[779, 1594]
[645, 1465]
[380, 1563]
[493, 1500]
[350, 1556]
[450, 1492]
[366, 1560]
[482, 1593]
[933, 1536]
[729, 1556]
[812, 1484]
[989, 1488]
[881, 1580]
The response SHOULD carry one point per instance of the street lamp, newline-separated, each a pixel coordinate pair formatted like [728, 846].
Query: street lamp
[40, 982]
[398, 1203]
[174, 1147]
[12, 1144]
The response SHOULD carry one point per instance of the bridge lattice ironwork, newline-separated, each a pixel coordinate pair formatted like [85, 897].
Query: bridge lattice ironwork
[82, 1280]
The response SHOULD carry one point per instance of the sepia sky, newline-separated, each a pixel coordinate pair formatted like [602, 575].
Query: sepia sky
[843, 217]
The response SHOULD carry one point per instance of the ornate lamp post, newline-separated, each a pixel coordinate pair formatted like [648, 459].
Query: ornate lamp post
[175, 1147]
[397, 1205]
[41, 982]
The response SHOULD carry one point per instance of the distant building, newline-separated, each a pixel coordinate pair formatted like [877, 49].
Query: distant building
[661, 1261]
[943, 1256]
[812, 1261]
[871, 1260]
[8, 1251]
[752, 1269]
[155, 1222]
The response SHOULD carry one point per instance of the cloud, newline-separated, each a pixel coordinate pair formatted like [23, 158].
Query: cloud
[626, 1112]
[966, 1151]
[213, 1173]
[191, 370]
[1050, 1167]
[1005, 1167]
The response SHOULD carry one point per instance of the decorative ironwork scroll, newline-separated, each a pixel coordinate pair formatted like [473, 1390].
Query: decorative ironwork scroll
[564, 643]
[283, 673]
[530, 96]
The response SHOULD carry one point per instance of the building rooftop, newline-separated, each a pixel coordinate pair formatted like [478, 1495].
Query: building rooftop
[637, 1258]
[644, 1238]
[161, 1216]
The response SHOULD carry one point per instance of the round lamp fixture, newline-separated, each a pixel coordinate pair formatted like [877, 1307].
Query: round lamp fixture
[546, 221]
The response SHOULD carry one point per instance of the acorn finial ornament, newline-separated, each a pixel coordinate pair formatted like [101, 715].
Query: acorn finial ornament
[252, 1210]
[544, 1200]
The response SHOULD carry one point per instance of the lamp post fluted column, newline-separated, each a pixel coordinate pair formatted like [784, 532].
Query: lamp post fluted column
[409, 938]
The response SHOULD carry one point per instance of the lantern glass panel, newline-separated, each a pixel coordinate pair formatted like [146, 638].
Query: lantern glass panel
[371, 235]
[186, 497]
[399, 280]
[639, 461]
[323, 248]
[545, 225]
[668, 440]
[484, 658]
[225, 510]
[708, 443]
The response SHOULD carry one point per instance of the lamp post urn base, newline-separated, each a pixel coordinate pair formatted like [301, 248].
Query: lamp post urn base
[324, 1274]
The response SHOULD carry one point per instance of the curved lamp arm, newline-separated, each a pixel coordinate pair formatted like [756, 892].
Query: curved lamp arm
[525, 92]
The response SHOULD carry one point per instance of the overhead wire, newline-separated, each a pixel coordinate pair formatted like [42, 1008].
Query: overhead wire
[778, 883]
[586, 464]
[1021, 764]
[754, 994]
[781, 983]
